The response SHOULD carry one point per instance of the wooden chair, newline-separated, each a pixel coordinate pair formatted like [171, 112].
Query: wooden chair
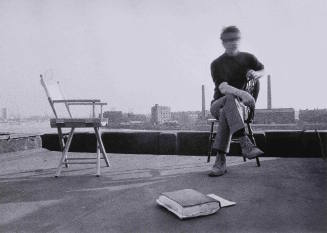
[253, 87]
[55, 96]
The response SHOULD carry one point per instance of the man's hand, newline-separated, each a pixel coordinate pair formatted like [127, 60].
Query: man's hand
[251, 74]
[247, 99]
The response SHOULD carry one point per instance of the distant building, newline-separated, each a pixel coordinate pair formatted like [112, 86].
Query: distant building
[4, 114]
[313, 115]
[207, 114]
[160, 114]
[274, 116]
[188, 117]
[136, 117]
[203, 114]
[269, 99]
[113, 116]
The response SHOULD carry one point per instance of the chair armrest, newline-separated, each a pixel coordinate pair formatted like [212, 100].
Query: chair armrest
[84, 103]
[250, 115]
[90, 102]
[77, 101]
[210, 120]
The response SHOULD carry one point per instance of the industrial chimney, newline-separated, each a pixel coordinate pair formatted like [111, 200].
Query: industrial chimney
[269, 93]
[203, 104]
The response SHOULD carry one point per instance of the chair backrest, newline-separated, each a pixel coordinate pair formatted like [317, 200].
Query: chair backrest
[252, 87]
[53, 92]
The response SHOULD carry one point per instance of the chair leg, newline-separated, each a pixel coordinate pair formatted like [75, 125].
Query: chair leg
[61, 143]
[98, 160]
[210, 142]
[251, 136]
[258, 161]
[64, 153]
[102, 149]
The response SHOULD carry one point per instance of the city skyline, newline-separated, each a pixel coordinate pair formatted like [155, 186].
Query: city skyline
[133, 54]
[49, 114]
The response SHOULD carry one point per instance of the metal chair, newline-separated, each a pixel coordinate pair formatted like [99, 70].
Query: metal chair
[252, 87]
[55, 96]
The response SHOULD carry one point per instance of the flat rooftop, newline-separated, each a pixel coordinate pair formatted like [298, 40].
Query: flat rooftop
[283, 195]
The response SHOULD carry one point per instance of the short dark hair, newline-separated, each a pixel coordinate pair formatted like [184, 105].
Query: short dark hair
[229, 29]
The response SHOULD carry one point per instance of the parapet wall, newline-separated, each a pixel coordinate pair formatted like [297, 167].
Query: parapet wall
[273, 143]
[19, 142]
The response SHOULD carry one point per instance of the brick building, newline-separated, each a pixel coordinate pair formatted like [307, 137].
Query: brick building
[274, 116]
[113, 116]
[313, 115]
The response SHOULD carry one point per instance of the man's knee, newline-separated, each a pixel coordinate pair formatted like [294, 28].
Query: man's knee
[214, 110]
[216, 107]
[232, 101]
[230, 97]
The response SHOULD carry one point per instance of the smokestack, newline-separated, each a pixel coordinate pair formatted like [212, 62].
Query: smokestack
[203, 104]
[268, 93]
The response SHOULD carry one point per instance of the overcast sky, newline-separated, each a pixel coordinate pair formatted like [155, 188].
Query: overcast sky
[136, 53]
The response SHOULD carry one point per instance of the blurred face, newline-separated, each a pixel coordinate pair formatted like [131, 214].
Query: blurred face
[231, 42]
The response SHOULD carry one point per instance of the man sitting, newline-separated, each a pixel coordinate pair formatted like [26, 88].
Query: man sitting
[230, 73]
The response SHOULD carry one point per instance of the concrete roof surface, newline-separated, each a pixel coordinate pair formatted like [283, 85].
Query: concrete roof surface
[283, 195]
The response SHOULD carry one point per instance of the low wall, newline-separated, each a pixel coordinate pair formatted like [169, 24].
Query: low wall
[273, 143]
[18, 142]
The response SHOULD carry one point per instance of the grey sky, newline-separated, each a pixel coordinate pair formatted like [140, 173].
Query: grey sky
[134, 54]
